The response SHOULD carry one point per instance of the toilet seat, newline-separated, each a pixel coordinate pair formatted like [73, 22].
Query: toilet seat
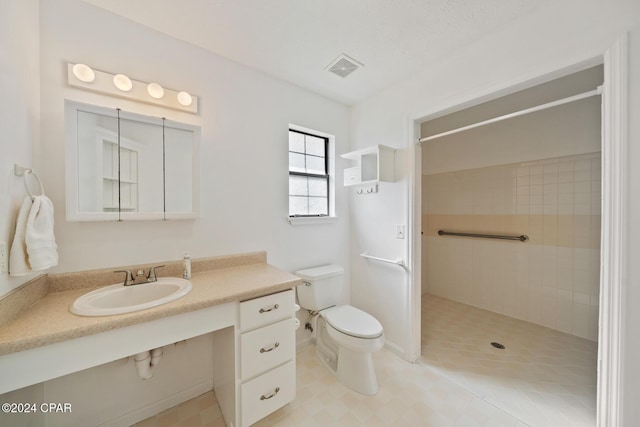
[353, 322]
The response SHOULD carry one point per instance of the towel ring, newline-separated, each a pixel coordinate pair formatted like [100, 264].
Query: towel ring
[24, 172]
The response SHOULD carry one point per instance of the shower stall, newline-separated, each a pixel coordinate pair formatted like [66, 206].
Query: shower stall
[511, 249]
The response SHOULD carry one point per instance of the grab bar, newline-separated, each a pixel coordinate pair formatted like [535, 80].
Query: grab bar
[398, 261]
[522, 237]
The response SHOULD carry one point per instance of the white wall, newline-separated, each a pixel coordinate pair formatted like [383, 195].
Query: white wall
[243, 153]
[244, 139]
[19, 112]
[558, 36]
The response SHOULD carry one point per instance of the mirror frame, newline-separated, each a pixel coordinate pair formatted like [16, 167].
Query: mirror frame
[72, 173]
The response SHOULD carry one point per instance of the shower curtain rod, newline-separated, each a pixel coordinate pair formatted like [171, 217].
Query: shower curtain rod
[594, 92]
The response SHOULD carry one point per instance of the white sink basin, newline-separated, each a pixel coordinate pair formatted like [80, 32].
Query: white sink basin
[118, 299]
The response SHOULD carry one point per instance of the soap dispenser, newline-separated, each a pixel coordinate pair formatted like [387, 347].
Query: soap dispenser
[186, 272]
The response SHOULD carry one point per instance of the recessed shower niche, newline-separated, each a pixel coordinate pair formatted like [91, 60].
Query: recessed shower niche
[126, 166]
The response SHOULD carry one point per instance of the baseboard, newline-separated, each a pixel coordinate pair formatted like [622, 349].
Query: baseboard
[396, 349]
[302, 344]
[159, 406]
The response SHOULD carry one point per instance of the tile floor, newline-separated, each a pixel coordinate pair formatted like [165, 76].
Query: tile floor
[202, 411]
[542, 378]
[410, 395]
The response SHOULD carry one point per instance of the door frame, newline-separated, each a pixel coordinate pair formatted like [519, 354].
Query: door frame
[613, 230]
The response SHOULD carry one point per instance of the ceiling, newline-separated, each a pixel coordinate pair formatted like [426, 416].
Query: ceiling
[296, 39]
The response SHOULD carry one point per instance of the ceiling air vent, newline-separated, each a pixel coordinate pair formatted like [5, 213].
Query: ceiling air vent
[343, 65]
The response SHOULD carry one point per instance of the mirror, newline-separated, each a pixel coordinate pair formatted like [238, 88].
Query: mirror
[123, 166]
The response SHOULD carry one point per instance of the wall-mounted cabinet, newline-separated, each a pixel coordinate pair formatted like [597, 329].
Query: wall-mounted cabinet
[126, 166]
[373, 165]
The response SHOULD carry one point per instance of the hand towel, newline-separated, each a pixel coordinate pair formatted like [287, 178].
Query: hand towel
[18, 264]
[41, 241]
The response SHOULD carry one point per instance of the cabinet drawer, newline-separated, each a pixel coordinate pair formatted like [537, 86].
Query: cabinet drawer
[267, 347]
[352, 176]
[267, 393]
[268, 309]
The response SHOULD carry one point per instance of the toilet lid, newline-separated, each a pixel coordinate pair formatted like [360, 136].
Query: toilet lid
[352, 321]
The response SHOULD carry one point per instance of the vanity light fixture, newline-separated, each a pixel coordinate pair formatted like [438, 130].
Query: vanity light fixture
[84, 73]
[184, 98]
[122, 82]
[84, 77]
[155, 90]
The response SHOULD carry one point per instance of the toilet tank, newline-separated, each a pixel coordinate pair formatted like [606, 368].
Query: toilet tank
[322, 286]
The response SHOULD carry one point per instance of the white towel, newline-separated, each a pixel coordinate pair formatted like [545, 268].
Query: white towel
[41, 242]
[18, 264]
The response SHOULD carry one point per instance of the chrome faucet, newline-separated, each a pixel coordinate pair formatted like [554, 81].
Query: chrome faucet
[129, 280]
[151, 276]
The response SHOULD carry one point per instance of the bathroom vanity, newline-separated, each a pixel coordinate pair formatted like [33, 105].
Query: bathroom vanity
[247, 305]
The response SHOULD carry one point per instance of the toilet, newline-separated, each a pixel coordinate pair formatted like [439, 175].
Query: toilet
[346, 337]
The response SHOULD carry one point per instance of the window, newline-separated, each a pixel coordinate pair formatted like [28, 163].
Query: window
[308, 174]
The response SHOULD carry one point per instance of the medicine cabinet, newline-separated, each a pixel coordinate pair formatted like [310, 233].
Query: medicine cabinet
[373, 165]
[126, 166]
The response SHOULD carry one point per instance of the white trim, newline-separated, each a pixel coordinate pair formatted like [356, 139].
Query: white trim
[413, 345]
[613, 260]
[394, 348]
[311, 220]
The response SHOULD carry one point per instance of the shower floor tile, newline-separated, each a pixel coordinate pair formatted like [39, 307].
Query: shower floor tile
[542, 377]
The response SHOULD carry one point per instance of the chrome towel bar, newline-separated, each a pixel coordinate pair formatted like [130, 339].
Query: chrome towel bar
[522, 237]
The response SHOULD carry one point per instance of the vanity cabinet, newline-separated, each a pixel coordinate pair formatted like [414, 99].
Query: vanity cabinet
[267, 368]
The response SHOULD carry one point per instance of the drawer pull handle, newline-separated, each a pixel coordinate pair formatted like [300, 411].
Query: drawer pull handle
[267, 350]
[263, 397]
[266, 310]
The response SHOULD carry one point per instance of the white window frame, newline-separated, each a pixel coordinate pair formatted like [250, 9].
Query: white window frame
[331, 169]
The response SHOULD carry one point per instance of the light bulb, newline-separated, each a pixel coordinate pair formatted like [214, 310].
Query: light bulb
[184, 98]
[84, 73]
[122, 82]
[155, 90]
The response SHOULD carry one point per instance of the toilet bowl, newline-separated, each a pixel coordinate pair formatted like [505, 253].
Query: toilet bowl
[352, 336]
[346, 336]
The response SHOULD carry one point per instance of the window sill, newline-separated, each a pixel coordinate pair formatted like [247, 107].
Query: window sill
[311, 220]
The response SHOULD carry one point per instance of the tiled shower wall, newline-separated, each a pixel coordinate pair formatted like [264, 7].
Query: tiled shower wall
[551, 280]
